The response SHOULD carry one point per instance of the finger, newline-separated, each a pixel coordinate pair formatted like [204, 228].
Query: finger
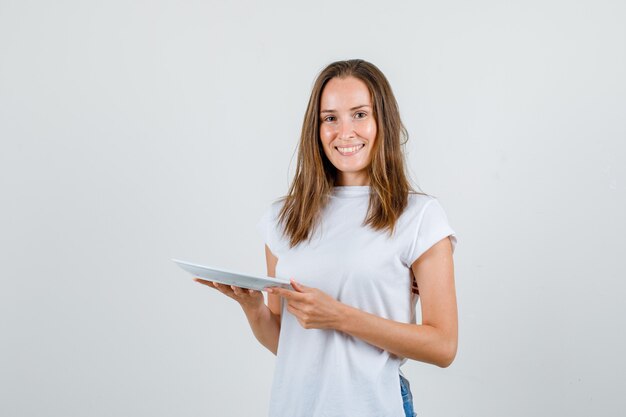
[224, 288]
[297, 286]
[273, 290]
[282, 292]
[294, 310]
[299, 316]
[204, 282]
[239, 291]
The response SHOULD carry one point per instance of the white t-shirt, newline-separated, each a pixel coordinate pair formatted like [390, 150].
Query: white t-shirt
[327, 373]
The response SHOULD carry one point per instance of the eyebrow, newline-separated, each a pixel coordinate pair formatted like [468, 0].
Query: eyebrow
[352, 109]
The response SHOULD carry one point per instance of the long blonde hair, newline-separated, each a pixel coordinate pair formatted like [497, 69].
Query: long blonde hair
[315, 175]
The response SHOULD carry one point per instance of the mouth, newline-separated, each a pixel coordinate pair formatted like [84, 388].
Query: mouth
[349, 150]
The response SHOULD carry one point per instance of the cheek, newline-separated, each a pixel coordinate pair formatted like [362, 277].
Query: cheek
[326, 134]
[369, 131]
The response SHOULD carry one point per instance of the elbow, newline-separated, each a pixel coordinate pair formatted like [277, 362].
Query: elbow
[448, 353]
[445, 362]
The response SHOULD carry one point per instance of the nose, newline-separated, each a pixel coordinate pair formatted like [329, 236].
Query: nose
[346, 130]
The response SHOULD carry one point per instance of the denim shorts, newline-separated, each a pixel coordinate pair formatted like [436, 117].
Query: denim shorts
[407, 397]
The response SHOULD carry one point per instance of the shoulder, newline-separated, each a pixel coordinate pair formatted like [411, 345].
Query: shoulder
[417, 202]
[273, 209]
[277, 206]
[423, 209]
[426, 223]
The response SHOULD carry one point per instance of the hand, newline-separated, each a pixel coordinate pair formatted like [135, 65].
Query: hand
[313, 308]
[248, 299]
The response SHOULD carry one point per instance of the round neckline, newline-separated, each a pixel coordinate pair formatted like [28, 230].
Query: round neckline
[350, 190]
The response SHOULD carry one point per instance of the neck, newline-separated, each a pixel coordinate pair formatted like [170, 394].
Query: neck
[344, 179]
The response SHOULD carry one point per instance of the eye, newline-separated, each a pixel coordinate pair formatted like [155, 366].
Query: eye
[329, 119]
[360, 115]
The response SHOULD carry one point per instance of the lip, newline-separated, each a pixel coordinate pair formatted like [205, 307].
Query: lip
[350, 146]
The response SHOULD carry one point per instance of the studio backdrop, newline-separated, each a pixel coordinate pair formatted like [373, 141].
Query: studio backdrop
[133, 132]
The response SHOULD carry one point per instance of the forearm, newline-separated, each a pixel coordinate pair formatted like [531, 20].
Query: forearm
[265, 325]
[423, 343]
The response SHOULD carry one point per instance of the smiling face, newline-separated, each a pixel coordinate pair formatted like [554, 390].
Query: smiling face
[348, 129]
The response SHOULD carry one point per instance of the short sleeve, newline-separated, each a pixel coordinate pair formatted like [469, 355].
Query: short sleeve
[263, 226]
[433, 226]
[267, 228]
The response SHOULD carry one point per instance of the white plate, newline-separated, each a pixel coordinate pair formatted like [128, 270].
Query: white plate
[237, 279]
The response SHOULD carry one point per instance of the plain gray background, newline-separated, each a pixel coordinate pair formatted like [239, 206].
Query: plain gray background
[137, 131]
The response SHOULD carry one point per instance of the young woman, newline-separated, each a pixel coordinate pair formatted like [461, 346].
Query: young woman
[357, 242]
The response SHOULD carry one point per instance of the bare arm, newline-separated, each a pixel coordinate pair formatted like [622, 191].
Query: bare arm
[434, 341]
[264, 321]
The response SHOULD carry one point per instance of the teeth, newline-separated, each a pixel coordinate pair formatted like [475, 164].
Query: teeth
[348, 150]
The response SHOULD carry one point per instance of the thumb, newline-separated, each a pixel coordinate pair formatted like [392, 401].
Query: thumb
[297, 286]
